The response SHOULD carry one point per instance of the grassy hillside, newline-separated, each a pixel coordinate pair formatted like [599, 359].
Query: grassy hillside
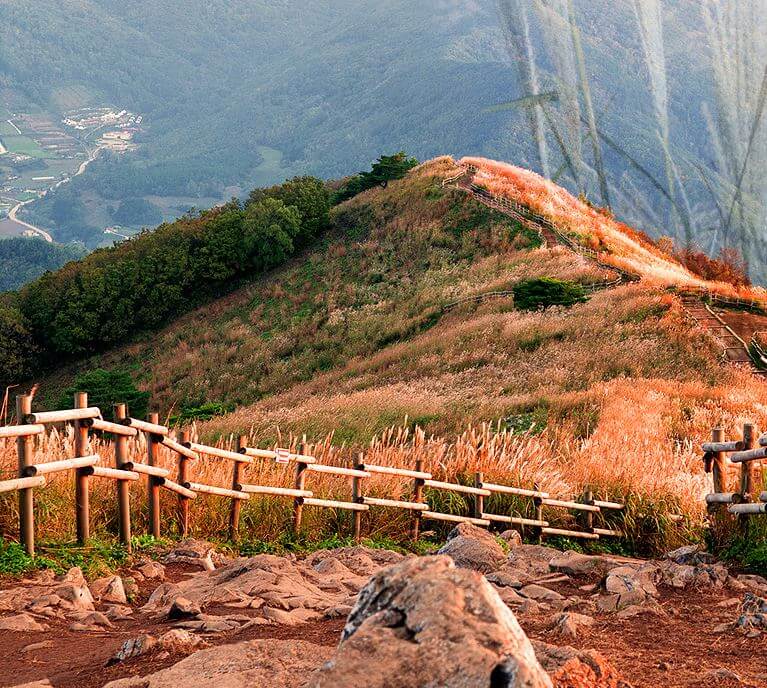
[348, 344]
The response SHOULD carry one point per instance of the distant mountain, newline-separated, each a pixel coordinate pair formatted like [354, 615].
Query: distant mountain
[238, 93]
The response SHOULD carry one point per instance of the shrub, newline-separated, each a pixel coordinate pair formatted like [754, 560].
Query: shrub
[729, 267]
[536, 294]
[106, 388]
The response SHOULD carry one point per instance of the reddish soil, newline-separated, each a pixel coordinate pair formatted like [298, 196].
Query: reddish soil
[673, 651]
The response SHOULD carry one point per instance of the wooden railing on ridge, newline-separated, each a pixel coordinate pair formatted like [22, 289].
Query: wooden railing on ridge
[126, 471]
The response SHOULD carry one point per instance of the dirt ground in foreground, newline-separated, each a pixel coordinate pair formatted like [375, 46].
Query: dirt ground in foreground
[674, 650]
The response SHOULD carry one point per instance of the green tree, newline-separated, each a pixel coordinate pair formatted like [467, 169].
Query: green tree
[384, 170]
[137, 211]
[309, 195]
[537, 294]
[270, 227]
[17, 354]
[105, 389]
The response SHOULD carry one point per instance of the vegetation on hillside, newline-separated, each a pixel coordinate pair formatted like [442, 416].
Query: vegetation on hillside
[23, 260]
[114, 293]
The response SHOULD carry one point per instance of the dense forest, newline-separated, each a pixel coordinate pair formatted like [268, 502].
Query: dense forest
[22, 259]
[115, 293]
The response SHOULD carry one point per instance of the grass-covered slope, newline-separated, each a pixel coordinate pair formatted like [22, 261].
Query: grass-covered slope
[350, 337]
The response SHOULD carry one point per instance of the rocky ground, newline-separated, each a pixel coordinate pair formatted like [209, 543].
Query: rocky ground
[479, 614]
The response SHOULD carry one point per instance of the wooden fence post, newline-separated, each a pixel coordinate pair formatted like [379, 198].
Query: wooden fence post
[82, 480]
[588, 516]
[234, 514]
[418, 485]
[26, 496]
[183, 437]
[538, 502]
[153, 486]
[123, 486]
[746, 474]
[479, 500]
[357, 498]
[298, 502]
[718, 467]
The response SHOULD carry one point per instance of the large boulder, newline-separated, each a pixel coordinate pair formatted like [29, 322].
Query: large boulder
[425, 622]
[532, 560]
[474, 548]
[250, 664]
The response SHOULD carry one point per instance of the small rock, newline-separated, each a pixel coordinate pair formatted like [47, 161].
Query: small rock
[109, 589]
[192, 551]
[152, 570]
[512, 538]
[576, 564]
[721, 674]
[117, 612]
[21, 623]
[540, 594]
[473, 548]
[567, 624]
[179, 641]
[512, 578]
[664, 666]
[134, 647]
[183, 608]
[38, 646]
[131, 588]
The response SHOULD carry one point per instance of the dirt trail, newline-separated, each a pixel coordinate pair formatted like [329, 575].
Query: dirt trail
[674, 650]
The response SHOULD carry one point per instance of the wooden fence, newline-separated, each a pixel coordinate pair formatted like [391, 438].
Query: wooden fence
[86, 466]
[744, 497]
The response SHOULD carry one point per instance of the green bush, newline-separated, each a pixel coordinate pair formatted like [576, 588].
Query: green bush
[542, 293]
[106, 388]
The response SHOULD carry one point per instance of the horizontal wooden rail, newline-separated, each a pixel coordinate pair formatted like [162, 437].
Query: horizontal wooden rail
[22, 483]
[214, 490]
[336, 470]
[401, 472]
[175, 487]
[146, 469]
[723, 446]
[519, 491]
[564, 504]
[220, 453]
[21, 430]
[515, 520]
[63, 465]
[283, 455]
[437, 516]
[62, 416]
[349, 506]
[453, 487]
[605, 532]
[179, 448]
[724, 498]
[144, 426]
[395, 504]
[113, 473]
[274, 491]
[749, 455]
[749, 508]
[114, 428]
[614, 506]
[570, 533]
[763, 496]
[763, 441]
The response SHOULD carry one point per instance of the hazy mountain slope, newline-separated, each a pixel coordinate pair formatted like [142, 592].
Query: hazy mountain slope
[326, 87]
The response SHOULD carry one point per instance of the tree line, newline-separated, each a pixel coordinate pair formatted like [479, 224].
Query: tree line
[136, 286]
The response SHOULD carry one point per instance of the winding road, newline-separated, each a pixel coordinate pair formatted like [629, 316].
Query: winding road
[13, 212]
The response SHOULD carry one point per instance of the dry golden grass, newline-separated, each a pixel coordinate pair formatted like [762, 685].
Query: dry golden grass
[342, 347]
[593, 227]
